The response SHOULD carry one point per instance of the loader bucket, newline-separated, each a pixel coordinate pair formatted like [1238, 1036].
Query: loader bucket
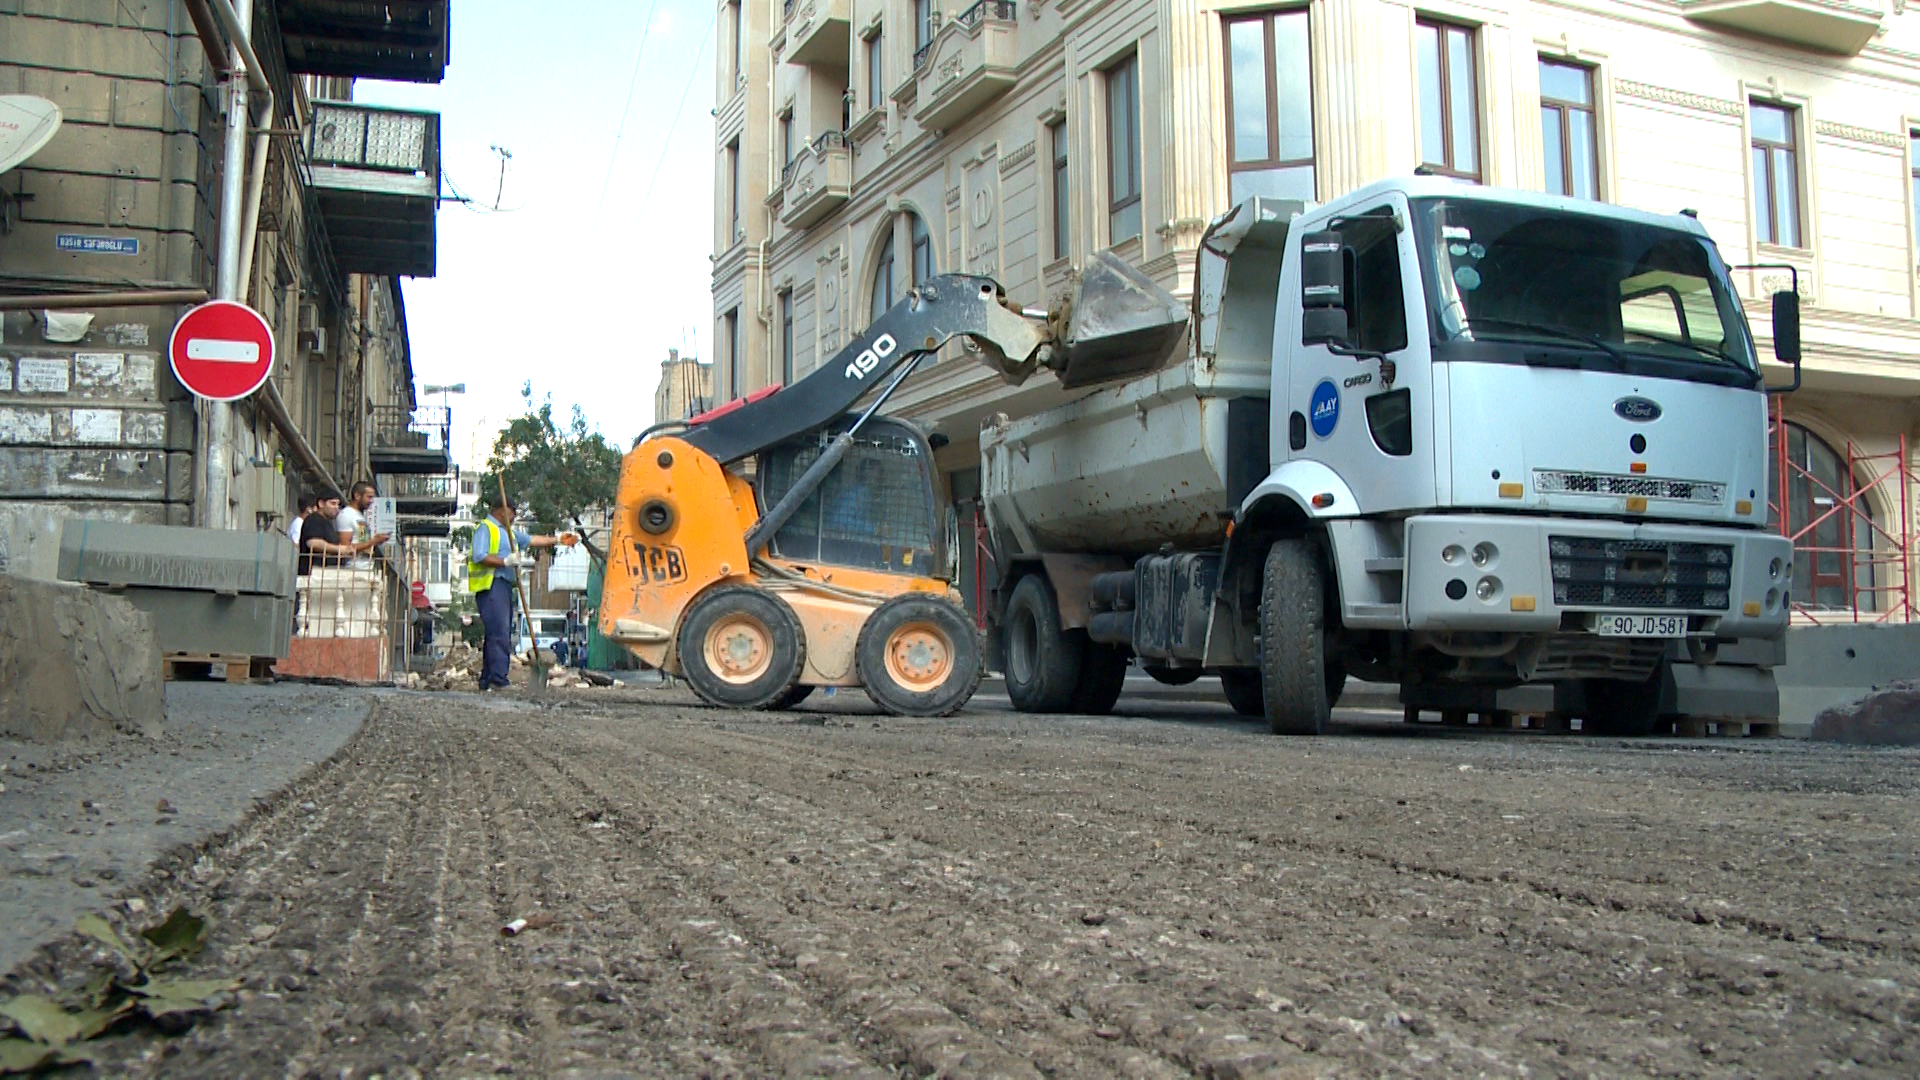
[1119, 325]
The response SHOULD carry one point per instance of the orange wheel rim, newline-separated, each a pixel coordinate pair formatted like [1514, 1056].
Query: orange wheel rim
[739, 649]
[920, 656]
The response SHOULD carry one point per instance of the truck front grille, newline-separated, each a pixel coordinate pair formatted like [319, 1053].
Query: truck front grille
[1593, 572]
[1556, 482]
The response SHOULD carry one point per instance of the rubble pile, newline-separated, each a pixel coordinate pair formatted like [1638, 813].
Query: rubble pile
[460, 670]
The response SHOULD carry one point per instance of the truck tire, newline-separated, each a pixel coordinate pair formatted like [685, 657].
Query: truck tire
[1294, 674]
[741, 648]
[1622, 710]
[1103, 674]
[788, 700]
[1243, 691]
[919, 656]
[1043, 663]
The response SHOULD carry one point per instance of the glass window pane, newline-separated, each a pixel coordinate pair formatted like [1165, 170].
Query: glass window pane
[1123, 131]
[1565, 82]
[1433, 150]
[1293, 71]
[882, 297]
[1916, 221]
[1584, 148]
[1551, 150]
[1772, 123]
[1060, 219]
[1786, 191]
[922, 250]
[876, 72]
[1762, 207]
[1292, 182]
[1125, 224]
[1460, 78]
[1913, 151]
[1247, 53]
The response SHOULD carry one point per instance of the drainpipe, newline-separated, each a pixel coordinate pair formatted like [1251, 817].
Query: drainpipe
[239, 210]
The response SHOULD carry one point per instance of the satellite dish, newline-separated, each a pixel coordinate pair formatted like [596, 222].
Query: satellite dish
[26, 124]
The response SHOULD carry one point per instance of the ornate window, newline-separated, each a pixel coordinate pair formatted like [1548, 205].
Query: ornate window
[1830, 520]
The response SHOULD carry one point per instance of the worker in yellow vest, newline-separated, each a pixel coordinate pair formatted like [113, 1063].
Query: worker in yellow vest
[498, 552]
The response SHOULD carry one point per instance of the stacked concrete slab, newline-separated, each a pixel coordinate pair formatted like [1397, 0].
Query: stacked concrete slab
[209, 591]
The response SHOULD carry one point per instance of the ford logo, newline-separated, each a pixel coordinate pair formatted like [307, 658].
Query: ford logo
[1637, 409]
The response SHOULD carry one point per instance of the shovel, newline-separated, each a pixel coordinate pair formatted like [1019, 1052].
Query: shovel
[1116, 325]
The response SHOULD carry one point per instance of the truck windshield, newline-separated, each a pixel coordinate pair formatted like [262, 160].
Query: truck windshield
[1528, 285]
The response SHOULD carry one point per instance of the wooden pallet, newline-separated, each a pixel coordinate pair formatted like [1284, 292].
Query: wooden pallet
[198, 667]
[1694, 727]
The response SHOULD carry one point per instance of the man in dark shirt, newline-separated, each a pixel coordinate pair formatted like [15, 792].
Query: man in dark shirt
[317, 543]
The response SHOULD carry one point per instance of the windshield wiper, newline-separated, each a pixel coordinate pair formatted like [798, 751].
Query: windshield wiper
[1556, 332]
[1711, 354]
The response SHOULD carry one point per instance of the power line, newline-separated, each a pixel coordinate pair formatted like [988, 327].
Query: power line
[632, 81]
[666, 144]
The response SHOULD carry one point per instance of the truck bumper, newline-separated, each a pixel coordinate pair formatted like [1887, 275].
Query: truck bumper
[1498, 573]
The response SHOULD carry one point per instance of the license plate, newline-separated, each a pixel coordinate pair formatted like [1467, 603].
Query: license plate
[1651, 626]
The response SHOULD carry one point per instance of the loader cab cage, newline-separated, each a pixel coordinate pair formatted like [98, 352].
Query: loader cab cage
[873, 512]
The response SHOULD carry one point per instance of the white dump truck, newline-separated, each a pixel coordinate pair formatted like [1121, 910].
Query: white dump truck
[1456, 438]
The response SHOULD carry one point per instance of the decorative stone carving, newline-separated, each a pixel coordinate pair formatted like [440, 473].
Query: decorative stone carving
[1665, 95]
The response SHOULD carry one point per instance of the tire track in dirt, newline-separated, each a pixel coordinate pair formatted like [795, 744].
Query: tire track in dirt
[1721, 958]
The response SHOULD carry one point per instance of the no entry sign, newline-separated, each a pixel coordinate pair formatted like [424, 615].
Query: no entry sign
[222, 351]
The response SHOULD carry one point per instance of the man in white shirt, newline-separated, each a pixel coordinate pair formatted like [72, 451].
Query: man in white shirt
[351, 523]
[299, 519]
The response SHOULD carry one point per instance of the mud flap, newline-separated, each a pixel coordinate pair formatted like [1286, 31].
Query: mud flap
[1119, 325]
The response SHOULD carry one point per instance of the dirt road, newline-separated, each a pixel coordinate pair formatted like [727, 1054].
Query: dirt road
[749, 895]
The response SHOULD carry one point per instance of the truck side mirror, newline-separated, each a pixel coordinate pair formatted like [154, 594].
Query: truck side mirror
[1786, 333]
[1323, 289]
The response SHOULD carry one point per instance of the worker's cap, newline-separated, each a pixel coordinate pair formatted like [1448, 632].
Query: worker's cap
[496, 501]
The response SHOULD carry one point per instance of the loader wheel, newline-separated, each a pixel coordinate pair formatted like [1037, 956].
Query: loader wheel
[1043, 663]
[1242, 687]
[919, 656]
[1294, 672]
[741, 648]
[1103, 674]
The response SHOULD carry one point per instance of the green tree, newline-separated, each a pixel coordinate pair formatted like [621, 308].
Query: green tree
[557, 474]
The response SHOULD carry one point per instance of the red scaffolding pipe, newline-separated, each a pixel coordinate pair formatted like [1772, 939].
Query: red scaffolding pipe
[1887, 557]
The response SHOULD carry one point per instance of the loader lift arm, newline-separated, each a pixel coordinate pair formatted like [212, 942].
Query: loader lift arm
[949, 306]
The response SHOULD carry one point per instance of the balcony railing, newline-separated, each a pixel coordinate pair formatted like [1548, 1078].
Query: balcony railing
[1002, 10]
[376, 176]
[970, 61]
[444, 487]
[818, 180]
[427, 429]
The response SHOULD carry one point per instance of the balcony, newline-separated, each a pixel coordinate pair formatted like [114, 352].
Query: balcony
[1842, 27]
[426, 495]
[376, 176]
[401, 40]
[817, 181]
[418, 525]
[409, 442]
[969, 62]
[819, 32]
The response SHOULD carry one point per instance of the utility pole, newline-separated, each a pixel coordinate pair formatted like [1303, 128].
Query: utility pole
[215, 510]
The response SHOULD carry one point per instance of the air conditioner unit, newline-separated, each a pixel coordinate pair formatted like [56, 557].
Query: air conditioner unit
[314, 343]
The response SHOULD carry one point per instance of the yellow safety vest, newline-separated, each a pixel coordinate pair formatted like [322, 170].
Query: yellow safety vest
[480, 577]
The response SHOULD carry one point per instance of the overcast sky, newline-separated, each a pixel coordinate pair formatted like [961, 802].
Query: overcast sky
[581, 297]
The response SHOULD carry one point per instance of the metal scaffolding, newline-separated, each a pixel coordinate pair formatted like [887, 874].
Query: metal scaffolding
[1842, 546]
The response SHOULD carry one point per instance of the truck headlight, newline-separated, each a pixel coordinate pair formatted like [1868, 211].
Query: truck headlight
[1488, 588]
[1484, 554]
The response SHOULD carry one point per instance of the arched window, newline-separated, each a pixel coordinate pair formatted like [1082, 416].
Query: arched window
[1830, 520]
[908, 231]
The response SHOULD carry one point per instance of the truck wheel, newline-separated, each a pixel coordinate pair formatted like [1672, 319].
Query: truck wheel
[1173, 676]
[741, 648]
[788, 700]
[1103, 674]
[1294, 671]
[1043, 663]
[1243, 691]
[919, 656]
[1623, 710]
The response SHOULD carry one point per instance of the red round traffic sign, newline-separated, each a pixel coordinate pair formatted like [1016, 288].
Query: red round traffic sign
[222, 351]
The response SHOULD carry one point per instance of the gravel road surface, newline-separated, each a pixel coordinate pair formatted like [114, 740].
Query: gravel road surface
[1161, 894]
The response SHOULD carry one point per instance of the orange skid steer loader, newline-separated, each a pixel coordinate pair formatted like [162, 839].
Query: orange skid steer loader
[781, 542]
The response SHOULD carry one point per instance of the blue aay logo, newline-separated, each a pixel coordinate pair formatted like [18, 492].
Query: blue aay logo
[1323, 409]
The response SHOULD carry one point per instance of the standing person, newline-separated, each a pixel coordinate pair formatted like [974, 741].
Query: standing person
[293, 527]
[497, 551]
[350, 525]
[316, 543]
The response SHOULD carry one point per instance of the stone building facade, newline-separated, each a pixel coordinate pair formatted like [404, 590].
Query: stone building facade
[863, 144]
[685, 388]
[126, 199]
